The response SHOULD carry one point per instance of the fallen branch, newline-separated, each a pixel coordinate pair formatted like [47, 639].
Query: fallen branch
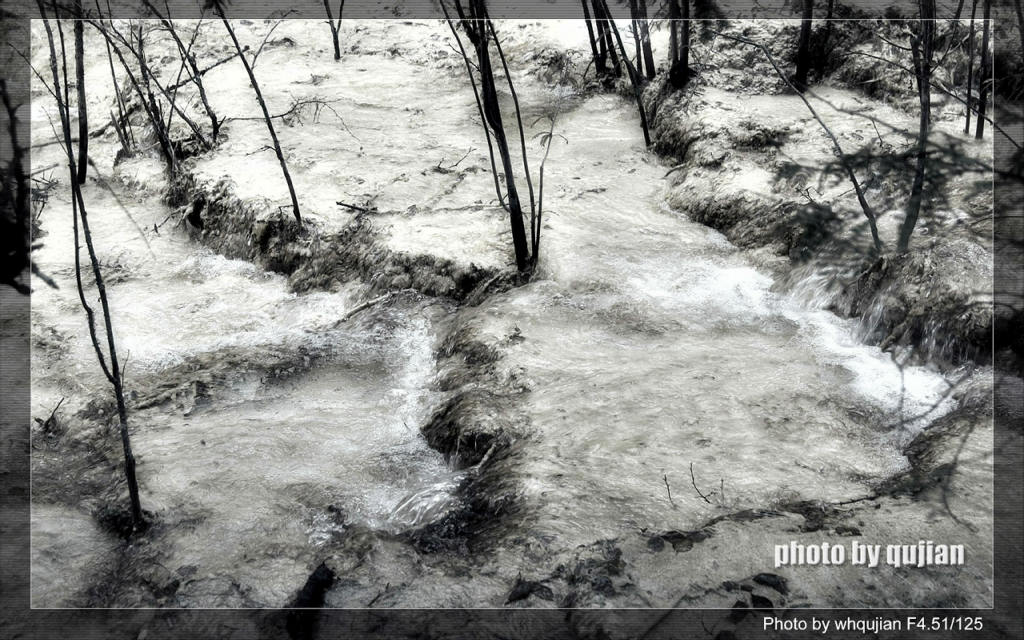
[360, 307]
[355, 207]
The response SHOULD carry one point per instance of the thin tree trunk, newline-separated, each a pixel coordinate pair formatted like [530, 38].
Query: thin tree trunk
[154, 117]
[984, 73]
[519, 117]
[684, 53]
[633, 13]
[477, 29]
[540, 196]
[113, 372]
[154, 108]
[803, 55]
[172, 101]
[601, 62]
[607, 40]
[922, 52]
[970, 69]
[335, 28]
[869, 213]
[673, 34]
[645, 30]
[590, 35]
[266, 113]
[633, 77]
[679, 70]
[197, 79]
[122, 111]
[83, 111]
[479, 104]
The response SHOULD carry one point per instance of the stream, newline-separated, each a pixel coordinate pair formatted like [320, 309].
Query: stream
[650, 346]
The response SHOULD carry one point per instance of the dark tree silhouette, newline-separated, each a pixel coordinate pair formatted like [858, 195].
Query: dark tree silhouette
[196, 75]
[921, 48]
[218, 7]
[970, 67]
[634, 15]
[634, 78]
[83, 111]
[116, 40]
[606, 42]
[335, 25]
[479, 30]
[594, 51]
[645, 40]
[803, 52]
[79, 214]
[679, 43]
[984, 72]
[868, 211]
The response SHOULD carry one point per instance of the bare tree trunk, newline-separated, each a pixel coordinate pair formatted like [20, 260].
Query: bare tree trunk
[984, 73]
[684, 46]
[645, 31]
[154, 108]
[154, 116]
[921, 48]
[83, 111]
[477, 29]
[633, 77]
[673, 33]
[679, 71]
[479, 103]
[335, 27]
[803, 54]
[197, 76]
[604, 23]
[634, 13]
[113, 372]
[266, 113]
[869, 213]
[122, 111]
[519, 117]
[970, 68]
[540, 196]
[601, 61]
[590, 35]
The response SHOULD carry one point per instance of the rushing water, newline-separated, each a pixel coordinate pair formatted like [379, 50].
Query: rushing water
[649, 342]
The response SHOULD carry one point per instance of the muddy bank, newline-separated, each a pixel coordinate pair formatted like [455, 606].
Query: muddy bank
[318, 259]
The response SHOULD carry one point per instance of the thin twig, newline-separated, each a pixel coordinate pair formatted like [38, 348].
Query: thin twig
[694, 482]
[668, 489]
[355, 207]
